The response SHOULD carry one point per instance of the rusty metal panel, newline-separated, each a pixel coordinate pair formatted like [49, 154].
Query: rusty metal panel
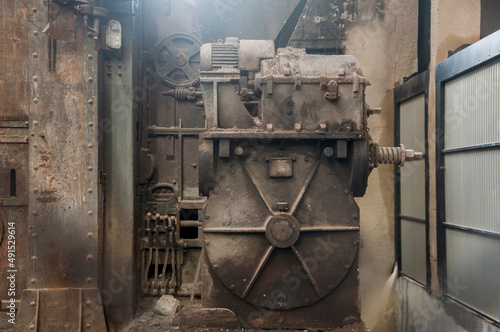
[63, 218]
[13, 151]
[14, 60]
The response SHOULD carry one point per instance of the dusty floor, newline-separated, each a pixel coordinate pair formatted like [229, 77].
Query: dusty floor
[146, 320]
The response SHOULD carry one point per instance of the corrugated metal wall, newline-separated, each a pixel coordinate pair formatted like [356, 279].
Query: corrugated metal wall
[472, 188]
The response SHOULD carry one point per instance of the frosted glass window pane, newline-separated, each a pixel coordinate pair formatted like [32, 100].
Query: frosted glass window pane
[413, 261]
[473, 270]
[472, 189]
[472, 104]
[412, 135]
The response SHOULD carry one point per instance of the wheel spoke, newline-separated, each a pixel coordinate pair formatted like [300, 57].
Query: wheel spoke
[188, 71]
[329, 229]
[262, 262]
[234, 230]
[191, 51]
[307, 271]
[256, 186]
[168, 69]
[304, 188]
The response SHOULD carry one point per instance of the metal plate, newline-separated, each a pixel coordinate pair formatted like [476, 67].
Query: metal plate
[272, 259]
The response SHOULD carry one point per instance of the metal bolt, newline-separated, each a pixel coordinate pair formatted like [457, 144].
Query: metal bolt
[90, 213]
[233, 287]
[91, 124]
[27, 123]
[90, 191]
[34, 235]
[90, 168]
[120, 73]
[33, 281]
[110, 73]
[35, 55]
[35, 168]
[90, 101]
[75, 178]
[89, 280]
[96, 38]
[35, 145]
[328, 152]
[32, 303]
[34, 10]
[355, 216]
[216, 267]
[193, 165]
[120, 66]
[346, 191]
[35, 190]
[35, 123]
[90, 79]
[90, 145]
[207, 216]
[88, 302]
[206, 242]
[90, 234]
[174, 181]
[89, 34]
[238, 151]
[32, 327]
[35, 78]
[89, 257]
[35, 213]
[87, 325]
[35, 32]
[35, 100]
[33, 258]
[346, 267]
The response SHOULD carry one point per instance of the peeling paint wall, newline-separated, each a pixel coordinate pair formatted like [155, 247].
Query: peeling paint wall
[384, 41]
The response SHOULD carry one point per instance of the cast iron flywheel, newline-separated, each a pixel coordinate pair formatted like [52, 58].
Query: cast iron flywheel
[280, 243]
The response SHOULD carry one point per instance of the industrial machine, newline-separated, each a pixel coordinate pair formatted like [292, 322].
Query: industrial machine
[284, 149]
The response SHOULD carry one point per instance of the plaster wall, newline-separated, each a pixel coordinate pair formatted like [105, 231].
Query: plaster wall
[384, 41]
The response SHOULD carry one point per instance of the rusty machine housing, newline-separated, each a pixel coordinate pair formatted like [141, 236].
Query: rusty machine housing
[289, 146]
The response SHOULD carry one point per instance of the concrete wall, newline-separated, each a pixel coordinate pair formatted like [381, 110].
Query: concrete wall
[384, 41]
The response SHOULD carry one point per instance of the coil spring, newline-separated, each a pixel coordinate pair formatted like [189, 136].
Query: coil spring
[389, 155]
[184, 93]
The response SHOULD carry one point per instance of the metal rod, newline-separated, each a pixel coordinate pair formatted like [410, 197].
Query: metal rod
[472, 147]
[472, 230]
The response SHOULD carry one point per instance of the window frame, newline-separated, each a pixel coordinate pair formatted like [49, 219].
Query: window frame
[412, 88]
[477, 55]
